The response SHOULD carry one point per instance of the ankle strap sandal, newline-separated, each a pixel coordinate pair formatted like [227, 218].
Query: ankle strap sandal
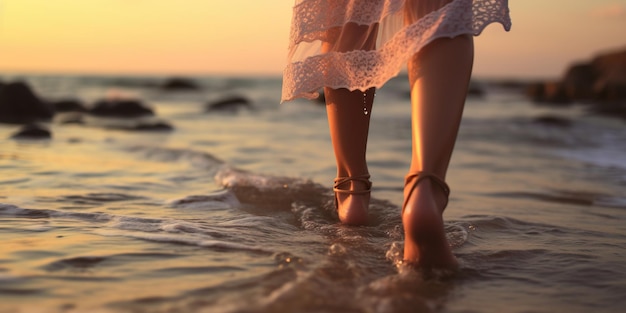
[419, 176]
[339, 181]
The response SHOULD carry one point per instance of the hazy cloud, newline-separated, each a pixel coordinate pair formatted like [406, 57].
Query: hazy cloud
[612, 11]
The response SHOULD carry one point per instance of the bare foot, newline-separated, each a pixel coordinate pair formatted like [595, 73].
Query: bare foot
[425, 243]
[352, 208]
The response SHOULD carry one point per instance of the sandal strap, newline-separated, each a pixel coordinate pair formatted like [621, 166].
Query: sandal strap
[419, 176]
[365, 178]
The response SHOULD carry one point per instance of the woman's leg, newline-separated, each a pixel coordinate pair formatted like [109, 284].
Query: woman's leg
[349, 125]
[439, 76]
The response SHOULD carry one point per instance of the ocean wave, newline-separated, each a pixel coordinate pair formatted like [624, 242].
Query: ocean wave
[217, 200]
[190, 240]
[195, 158]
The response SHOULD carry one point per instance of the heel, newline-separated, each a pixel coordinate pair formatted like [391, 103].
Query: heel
[351, 217]
[425, 242]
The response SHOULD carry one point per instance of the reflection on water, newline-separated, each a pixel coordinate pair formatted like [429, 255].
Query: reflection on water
[232, 211]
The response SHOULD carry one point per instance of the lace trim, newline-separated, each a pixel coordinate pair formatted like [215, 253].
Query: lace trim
[360, 69]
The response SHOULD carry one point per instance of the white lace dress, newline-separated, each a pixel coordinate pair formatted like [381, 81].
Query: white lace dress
[358, 44]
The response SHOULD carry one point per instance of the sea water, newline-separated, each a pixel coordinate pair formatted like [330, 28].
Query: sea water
[232, 211]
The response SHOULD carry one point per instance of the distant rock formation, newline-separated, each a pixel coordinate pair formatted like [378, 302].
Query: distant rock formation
[229, 104]
[146, 124]
[19, 104]
[120, 108]
[32, 131]
[151, 126]
[553, 120]
[475, 90]
[600, 82]
[179, 83]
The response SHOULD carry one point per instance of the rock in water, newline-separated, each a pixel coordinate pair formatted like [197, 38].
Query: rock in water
[475, 90]
[552, 120]
[229, 104]
[19, 104]
[152, 126]
[599, 81]
[578, 81]
[551, 93]
[178, 83]
[32, 131]
[120, 108]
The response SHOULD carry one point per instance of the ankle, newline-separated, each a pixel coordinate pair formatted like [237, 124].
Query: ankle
[426, 186]
[352, 195]
[349, 184]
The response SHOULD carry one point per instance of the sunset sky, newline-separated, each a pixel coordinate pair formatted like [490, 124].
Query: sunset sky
[250, 36]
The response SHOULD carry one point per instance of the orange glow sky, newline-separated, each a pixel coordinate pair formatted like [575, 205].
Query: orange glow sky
[250, 36]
